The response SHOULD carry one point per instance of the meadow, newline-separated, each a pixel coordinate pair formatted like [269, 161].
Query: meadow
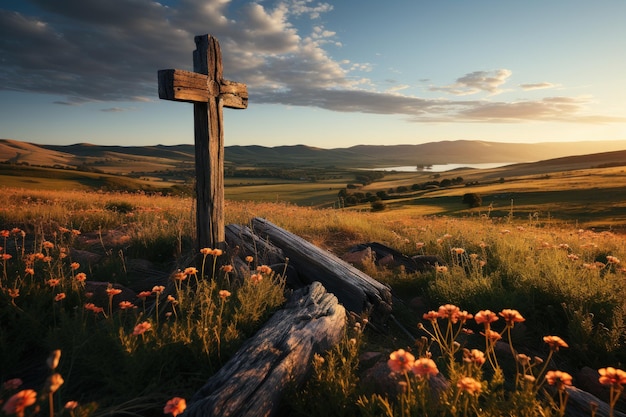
[520, 308]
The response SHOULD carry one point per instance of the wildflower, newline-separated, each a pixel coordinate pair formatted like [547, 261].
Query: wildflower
[39, 256]
[158, 289]
[485, 317]
[53, 359]
[70, 405]
[60, 296]
[424, 367]
[441, 268]
[612, 376]
[113, 291]
[458, 251]
[29, 271]
[431, 316]
[53, 383]
[523, 359]
[74, 265]
[419, 245]
[227, 268]
[53, 282]
[12, 384]
[47, 259]
[217, 252]
[48, 245]
[171, 299]
[180, 276]
[474, 356]
[224, 294]
[141, 328]
[175, 406]
[18, 402]
[4, 233]
[206, 251]
[6, 256]
[511, 317]
[464, 316]
[450, 312]
[64, 230]
[75, 232]
[400, 361]
[555, 342]
[16, 231]
[190, 271]
[81, 277]
[125, 305]
[612, 260]
[256, 278]
[469, 385]
[94, 308]
[249, 259]
[13, 292]
[559, 379]
[264, 269]
[491, 335]
[144, 294]
[573, 257]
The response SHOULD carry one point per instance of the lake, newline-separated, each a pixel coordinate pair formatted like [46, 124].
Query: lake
[444, 167]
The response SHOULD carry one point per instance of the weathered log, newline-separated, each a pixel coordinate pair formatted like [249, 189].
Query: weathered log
[356, 291]
[251, 383]
[251, 244]
[579, 405]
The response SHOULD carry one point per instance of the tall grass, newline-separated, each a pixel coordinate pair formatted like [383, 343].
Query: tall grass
[564, 281]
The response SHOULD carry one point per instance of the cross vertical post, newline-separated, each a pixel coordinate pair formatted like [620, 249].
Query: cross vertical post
[209, 93]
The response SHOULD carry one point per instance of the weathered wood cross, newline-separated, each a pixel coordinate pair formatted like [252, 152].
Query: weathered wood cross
[209, 93]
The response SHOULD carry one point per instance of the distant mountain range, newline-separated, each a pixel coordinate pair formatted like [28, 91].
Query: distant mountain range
[161, 157]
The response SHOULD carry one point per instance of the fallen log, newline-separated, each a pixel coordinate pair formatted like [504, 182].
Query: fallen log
[242, 241]
[251, 383]
[356, 291]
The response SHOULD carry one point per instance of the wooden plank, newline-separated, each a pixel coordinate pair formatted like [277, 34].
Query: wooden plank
[252, 382]
[356, 291]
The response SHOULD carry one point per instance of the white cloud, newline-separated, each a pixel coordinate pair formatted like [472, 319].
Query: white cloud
[477, 82]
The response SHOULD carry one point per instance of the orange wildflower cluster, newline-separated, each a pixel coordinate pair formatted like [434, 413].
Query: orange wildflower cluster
[209, 251]
[555, 342]
[141, 328]
[94, 308]
[559, 379]
[18, 403]
[469, 385]
[175, 406]
[264, 269]
[612, 376]
[402, 362]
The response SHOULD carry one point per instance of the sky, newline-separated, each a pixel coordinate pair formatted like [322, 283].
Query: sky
[329, 74]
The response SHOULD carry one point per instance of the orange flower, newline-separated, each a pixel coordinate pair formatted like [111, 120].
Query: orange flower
[555, 342]
[60, 296]
[29, 271]
[441, 268]
[227, 268]
[18, 402]
[53, 383]
[559, 379]
[94, 308]
[158, 289]
[511, 317]
[256, 278]
[217, 252]
[53, 359]
[400, 361]
[264, 269]
[175, 406]
[53, 282]
[141, 328]
[144, 294]
[81, 277]
[249, 259]
[469, 385]
[612, 259]
[491, 335]
[74, 265]
[4, 233]
[224, 294]
[13, 292]
[48, 245]
[71, 405]
[450, 312]
[485, 317]
[458, 251]
[125, 305]
[431, 316]
[424, 367]
[180, 276]
[113, 291]
[612, 376]
[190, 271]
[206, 251]
[6, 256]
[474, 356]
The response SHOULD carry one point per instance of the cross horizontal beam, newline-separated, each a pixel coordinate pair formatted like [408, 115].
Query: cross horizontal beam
[192, 87]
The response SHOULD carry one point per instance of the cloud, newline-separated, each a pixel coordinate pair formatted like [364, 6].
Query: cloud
[537, 86]
[110, 51]
[477, 82]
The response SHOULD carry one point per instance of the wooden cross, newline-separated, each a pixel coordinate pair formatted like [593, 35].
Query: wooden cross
[209, 92]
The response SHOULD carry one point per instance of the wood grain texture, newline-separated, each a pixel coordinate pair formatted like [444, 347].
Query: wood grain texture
[252, 382]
